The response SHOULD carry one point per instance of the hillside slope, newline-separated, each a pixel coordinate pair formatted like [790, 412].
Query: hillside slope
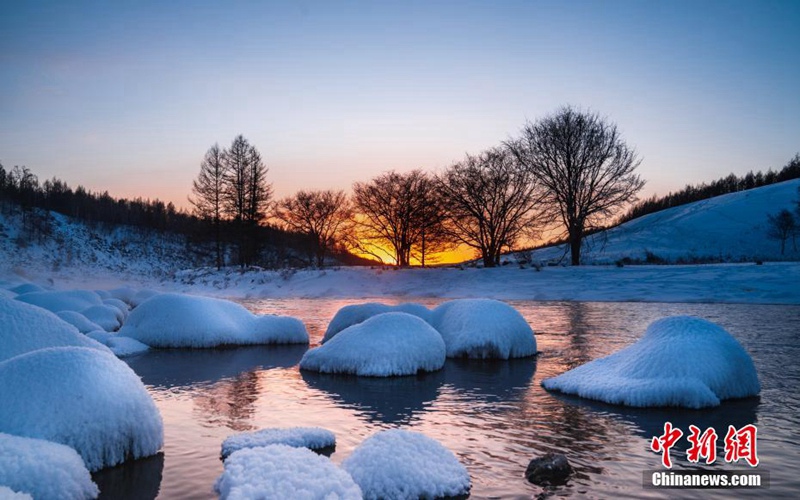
[727, 228]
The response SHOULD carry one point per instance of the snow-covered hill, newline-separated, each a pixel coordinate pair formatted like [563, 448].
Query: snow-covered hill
[727, 228]
[63, 247]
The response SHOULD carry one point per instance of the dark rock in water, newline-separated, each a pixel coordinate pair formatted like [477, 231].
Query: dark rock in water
[551, 469]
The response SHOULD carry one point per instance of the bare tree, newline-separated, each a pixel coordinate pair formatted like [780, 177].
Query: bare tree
[246, 195]
[318, 214]
[491, 201]
[780, 227]
[208, 191]
[586, 168]
[392, 213]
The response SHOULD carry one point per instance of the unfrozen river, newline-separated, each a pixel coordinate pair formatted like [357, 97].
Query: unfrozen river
[494, 415]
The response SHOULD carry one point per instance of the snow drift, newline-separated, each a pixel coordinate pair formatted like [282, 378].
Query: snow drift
[25, 328]
[313, 438]
[44, 470]
[483, 328]
[357, 313]
[385, 345]
[175, 320]
[280, 471]
[84, 398]
[68, 300]
[680, 361]
[402, 464]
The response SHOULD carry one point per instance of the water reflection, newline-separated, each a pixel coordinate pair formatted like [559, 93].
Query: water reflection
[490, 380]
[229, 402]
[133, 480]
[186, 368]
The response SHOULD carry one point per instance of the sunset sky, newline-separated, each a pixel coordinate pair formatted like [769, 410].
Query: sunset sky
[128, 96]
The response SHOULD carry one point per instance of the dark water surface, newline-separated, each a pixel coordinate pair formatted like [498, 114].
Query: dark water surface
[493, 415]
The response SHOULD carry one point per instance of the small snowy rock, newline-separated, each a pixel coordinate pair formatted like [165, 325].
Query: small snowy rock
[25, 328]
[680, 361]
[313, 438]
[68, 300]
[385, 345]
[280, 471]
[107, 317]
[84, 398]
[79, 321]
[357, 313]
[483, 328]
[175, 320]
[400, 464]
[120, 346]
[43, 470]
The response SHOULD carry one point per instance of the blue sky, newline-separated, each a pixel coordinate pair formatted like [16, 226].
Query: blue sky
[127, 96]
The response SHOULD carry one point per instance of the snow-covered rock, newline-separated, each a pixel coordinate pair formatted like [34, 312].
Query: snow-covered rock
[401, 464]
[84, 398]
[175, 320]
[107, 317]
[385, 345]
[119, 345]
[121, 306]
[42, 469]
[26, 288]
[7, 493]
[67, 300]
[280, 471]
[25, 328]
[313, 438]
[79, 321]
[125, 294]
[483, 328]
[142, 295]
[680, 361]
[356, 313]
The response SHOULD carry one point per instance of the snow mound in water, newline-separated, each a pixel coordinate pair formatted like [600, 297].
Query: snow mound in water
[26, 288]
[79, 321]
[483, 328]
[385, 345]
[313, 438]
[109, 318]
[84, 398]
[25, 328]
[43, 470]
[175, 320]
[69, 300]
[357, 313]
[402, 464]
[121, 306]
[280, 471]
[120, 346]
[680, 361]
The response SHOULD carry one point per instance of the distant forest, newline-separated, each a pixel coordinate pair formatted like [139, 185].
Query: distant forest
[729, 184]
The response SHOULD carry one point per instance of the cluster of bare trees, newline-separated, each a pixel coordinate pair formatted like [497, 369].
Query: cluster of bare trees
[232, 190]
[570, 169]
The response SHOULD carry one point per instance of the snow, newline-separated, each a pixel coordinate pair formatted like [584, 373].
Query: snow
[313, 438]
[680, 361]
[483, 328]
[121, 306]
[79, 321]
[280, 471]
[176, 320]
[84, 398]
[65, 300]
[25, 328]
[26, 288]
[109, 318]
[44, 470]
[357, 313]
[401, 464]
[385, 345]
[728, 228]
[120, 346]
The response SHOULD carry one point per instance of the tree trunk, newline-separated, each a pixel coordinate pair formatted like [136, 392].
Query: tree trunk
[575, 248]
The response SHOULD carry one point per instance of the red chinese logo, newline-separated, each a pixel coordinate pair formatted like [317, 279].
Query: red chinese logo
[739, 444]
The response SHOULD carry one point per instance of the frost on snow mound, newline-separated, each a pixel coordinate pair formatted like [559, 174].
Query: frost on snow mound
[70, 300]
[120, 346]
[356, 313]
[680, 361]
[483, 328]
[280, 471]
[25, 328]
[402, 464]
[174, 320]
[84, 398]
[385, 345]
[44, 470]
[313, 438]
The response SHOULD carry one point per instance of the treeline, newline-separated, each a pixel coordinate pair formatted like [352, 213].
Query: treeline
[729, 184]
